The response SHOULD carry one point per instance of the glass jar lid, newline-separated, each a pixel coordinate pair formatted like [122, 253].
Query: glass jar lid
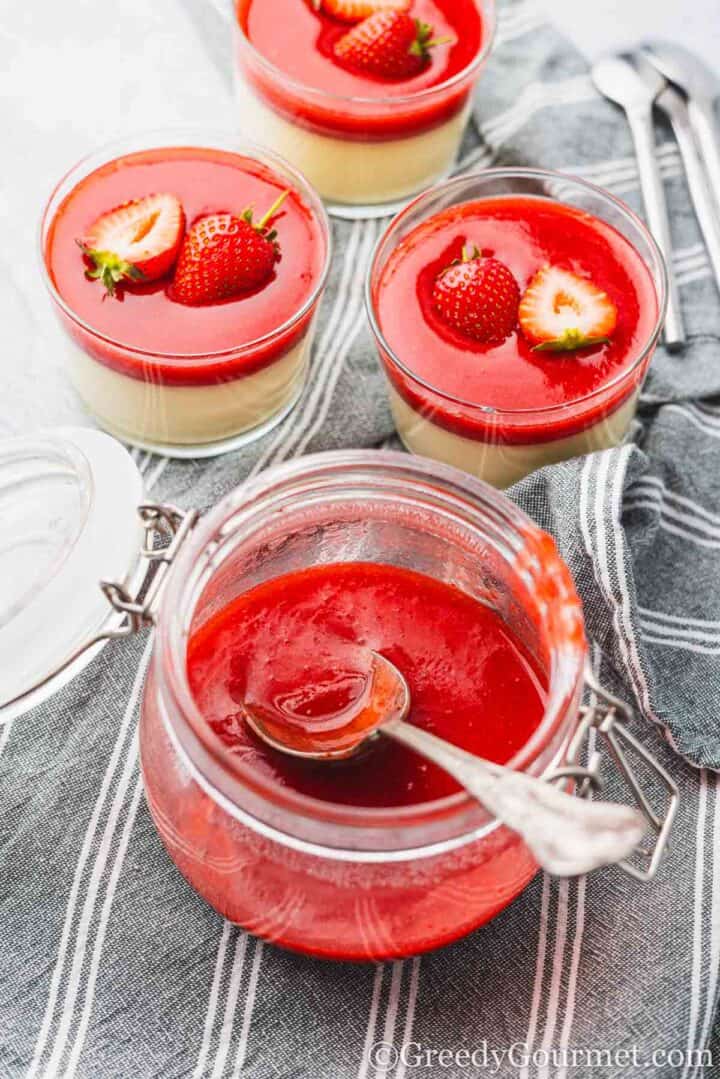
[68, 502]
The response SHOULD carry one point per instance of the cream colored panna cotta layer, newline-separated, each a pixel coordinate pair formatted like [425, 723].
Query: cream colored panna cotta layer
[350, 171]
[195, 415]
[502, 464]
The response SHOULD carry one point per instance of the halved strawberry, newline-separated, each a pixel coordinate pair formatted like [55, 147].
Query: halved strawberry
[357, 10]
[390, 44]
[225, 255]
[561, 312]
[479, 297]
[138, 241]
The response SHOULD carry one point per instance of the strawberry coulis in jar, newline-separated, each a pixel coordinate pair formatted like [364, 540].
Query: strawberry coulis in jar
[299, 644]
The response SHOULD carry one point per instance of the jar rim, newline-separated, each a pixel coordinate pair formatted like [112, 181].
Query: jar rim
[207, 140]
[418, 97]
[491, 411]
[535, 551]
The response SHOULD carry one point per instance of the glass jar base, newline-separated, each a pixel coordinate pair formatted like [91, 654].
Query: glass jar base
[372, 211]
[502, 464]
[208, 449]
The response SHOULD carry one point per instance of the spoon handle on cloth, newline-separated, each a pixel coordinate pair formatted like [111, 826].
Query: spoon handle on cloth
[707, 209]
[704, 123]
[643, 133]
[567, 836]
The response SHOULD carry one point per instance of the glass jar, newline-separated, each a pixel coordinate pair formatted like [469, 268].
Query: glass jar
[322, 878]
[502, 446]
[365, 155]
[170, 397]
[329, 880]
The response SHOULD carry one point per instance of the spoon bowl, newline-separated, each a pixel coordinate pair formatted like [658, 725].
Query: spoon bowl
[384, 700]
[566, 835]
[683, 68]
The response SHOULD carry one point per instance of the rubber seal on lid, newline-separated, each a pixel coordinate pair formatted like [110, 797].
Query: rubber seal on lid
[68, 501]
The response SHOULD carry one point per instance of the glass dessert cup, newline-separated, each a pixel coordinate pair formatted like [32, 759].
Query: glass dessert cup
[501, 446]
[342, 881]
[366, 156]
[189, 403]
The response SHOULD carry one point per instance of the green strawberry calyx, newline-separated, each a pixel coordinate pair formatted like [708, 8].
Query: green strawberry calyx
[262, 225]
[569, 341]
[424, 40]
[469, 254]
[109, 268]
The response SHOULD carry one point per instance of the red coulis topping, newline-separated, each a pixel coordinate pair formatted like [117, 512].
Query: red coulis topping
[612, 293]
[144, 316]
[299, 38]
[298, 644]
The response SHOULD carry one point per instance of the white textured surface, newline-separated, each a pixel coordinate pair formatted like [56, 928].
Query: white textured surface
[72, 76]
[597, 26]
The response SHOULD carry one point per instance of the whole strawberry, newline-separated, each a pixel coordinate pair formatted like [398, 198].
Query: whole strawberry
[390, 44]
[225, 255]
[357, 10]
[479, 297]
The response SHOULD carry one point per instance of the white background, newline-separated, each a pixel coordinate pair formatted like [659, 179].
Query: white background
[597, 26]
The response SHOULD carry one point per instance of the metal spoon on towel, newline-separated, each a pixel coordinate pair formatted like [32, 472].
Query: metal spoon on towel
[701, 88]
[688, 104]
[567, 835]
[617, 79]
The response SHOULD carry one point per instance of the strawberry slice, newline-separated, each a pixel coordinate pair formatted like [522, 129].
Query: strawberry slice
[390, 44]
[479, 297]
[224, 255]
[138, 241]
[561, 312]
[357, 10]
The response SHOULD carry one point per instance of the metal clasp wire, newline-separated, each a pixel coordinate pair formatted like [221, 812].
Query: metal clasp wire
[166, 527]
[604, 716]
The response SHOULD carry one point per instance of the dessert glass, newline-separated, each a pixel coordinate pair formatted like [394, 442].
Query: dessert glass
[366, 156]
[502, 446]
[199, 404]
[339, 881]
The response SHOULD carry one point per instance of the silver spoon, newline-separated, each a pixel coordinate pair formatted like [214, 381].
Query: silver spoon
[701, 87]
[617, 79]
[692, 122]
[567, 836]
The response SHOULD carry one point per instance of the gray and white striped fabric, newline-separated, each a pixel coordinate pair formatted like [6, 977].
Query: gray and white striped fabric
[110, 966]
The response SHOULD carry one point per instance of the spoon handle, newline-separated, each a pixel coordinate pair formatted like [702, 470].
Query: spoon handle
[702, 118]
[566, 835]
[707, 210]
[643, 133]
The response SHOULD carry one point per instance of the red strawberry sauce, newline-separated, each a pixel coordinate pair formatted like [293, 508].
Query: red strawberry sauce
[145, 317]
[304, 637]
[298, 42]
[525, 233]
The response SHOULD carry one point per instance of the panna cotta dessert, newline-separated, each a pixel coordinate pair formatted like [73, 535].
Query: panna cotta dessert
[368, 98]
[516, 313]
[187, 277]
